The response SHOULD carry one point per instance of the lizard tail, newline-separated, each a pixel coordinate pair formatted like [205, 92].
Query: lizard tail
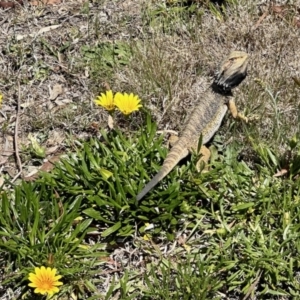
[177, 153]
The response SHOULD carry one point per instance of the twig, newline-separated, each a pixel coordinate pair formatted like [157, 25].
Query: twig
[16, 144]
[3, 21]
[263, 16]
[16, 177]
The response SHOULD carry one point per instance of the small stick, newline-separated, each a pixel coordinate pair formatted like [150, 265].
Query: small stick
[263, 16]
[19, 163]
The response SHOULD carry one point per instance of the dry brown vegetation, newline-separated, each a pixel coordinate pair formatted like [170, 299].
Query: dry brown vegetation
[170, 65]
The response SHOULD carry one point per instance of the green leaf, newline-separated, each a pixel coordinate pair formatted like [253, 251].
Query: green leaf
[243, 206]
[91, 212]
[105, 173]
[111, 229]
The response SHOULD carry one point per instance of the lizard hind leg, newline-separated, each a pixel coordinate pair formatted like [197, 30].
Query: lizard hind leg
[201, 164]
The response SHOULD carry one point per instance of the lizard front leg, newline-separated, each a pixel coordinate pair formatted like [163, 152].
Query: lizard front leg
[234, 112]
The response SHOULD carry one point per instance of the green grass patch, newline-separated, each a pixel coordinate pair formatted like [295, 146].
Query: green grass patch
[240, 224]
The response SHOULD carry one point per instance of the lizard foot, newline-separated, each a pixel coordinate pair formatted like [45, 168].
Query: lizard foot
[242, 117]
[235, 113]
[201, 164]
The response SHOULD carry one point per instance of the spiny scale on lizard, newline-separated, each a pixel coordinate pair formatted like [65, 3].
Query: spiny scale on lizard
[207, 116]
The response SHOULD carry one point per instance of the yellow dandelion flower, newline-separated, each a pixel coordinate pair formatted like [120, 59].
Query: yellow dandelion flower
[44, 281]
[127, 103]
[106, 100]
[1, 98]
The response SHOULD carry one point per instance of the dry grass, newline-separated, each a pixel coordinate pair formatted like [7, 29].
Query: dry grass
[170, 67]
[167, 62]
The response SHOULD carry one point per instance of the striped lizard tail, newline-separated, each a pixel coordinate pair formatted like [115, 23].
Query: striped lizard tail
[177, 153]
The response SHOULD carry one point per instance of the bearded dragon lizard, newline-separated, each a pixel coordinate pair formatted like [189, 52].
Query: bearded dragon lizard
[207, 116]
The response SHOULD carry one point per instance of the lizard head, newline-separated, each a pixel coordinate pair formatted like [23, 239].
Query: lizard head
[232, 72]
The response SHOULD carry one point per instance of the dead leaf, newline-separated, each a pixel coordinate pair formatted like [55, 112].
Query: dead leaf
[12, 171]
[1, 180]
[32, 170]
[106, 85]
[7, 153]
[63, 102]
[280, 173]
[110, 122]
[3, 160]
[296, 22]
[45, 2]
[262, 17]
[47, 166]
[278, 9]
[7, 146]
[42, 30]
[27, 104]
[297, 80]
[94, 127]
[56, 91]
[52, 150]
[10, 4]
[55, 138]
[55, 158]
[31, 177]
[181, 240]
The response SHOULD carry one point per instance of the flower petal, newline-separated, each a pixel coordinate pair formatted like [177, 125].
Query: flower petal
[44, 280]
[127, 103]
